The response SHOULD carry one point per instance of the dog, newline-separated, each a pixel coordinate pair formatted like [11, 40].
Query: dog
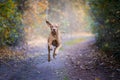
[54, 39]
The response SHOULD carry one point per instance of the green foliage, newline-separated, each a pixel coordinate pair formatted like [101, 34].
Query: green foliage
[107, 25]
[10, 23]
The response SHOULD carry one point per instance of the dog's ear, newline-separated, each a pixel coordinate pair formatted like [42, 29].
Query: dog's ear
[57, 25]
[48, 23]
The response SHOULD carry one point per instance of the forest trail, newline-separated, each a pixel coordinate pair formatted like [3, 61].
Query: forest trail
[75, 61]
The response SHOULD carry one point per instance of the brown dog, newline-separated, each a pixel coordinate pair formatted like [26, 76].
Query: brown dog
[54, 39]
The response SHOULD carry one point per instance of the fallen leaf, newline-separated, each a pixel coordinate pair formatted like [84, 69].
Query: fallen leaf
[97, 78]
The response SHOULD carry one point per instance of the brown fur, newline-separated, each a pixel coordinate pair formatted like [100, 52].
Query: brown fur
[54, 39]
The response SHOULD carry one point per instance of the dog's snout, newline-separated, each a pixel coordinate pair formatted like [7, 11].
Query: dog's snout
[53, 29]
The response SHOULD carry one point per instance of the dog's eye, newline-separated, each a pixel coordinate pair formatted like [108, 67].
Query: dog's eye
[51, 26]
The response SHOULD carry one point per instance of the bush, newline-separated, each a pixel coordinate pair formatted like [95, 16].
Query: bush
[10, 23]
[106, 14]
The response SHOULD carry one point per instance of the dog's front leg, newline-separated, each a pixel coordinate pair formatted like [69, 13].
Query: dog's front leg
[48, 53]
[49, 48]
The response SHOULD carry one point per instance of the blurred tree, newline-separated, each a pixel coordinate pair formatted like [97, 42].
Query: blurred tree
[106, 14]
[34, 17]
[10, 21]
[71, 14]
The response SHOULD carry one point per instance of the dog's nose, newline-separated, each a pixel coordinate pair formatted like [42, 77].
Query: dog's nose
[53, 29]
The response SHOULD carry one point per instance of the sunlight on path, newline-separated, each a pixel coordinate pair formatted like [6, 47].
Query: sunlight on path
[37, 46]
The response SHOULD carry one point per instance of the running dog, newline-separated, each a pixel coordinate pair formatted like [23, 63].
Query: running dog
[54, 39]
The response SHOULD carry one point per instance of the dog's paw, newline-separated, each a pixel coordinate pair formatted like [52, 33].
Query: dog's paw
[54, 55]
[51, 49]
[48, 59]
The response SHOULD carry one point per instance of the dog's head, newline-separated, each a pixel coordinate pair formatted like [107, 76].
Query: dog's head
[53, 27]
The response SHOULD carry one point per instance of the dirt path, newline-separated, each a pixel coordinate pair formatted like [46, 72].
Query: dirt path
[59, 68]
[75, 61]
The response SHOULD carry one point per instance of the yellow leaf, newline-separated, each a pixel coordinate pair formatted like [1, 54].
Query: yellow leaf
[97, 78]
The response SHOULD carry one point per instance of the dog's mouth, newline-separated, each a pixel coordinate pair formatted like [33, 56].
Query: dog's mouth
[54, 32]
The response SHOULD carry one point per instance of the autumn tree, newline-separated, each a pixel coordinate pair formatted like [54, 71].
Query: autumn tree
[10, 23]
